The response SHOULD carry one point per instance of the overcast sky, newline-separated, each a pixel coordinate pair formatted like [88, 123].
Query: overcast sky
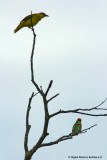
[71, 50]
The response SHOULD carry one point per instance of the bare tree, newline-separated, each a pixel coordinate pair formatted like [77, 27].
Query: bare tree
[40, 143]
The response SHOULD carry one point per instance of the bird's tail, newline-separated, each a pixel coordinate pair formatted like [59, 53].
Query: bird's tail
[18, 28]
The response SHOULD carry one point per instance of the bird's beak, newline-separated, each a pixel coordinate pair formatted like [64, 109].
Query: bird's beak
[46, 15]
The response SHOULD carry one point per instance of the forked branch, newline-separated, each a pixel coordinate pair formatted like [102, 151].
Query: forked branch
[83, 111]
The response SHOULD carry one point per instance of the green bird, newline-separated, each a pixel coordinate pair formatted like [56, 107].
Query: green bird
[76, 127]
[26, 22]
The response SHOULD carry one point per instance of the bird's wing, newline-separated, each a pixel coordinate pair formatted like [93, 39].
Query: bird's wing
[73, 128]
[81, 127]
[26, 18]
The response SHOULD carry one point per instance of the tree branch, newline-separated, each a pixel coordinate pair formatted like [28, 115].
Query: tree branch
[66, 137]
[45, 129]
[31, 60]
[84, 130]
[93, 108]
[53, 97]
[80, 109]
[73, 111]
[50, 85]
[36, 94]
[27, 124]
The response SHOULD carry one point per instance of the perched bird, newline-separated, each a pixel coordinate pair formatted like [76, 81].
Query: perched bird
[26, 22]
[76, 127]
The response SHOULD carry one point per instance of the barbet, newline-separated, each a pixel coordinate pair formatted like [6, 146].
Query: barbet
[76, 127]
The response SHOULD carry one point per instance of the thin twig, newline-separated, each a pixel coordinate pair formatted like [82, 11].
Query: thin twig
[88, 114]
[35, 94]
[88, 128]
[93, 108]
[53, 97]
[50, 84]
[27, 123]
[101, 103]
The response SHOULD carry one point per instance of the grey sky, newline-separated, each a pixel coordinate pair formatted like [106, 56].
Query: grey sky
[71, 49]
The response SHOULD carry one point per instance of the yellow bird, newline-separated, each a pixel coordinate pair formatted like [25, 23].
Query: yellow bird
[26, 22]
